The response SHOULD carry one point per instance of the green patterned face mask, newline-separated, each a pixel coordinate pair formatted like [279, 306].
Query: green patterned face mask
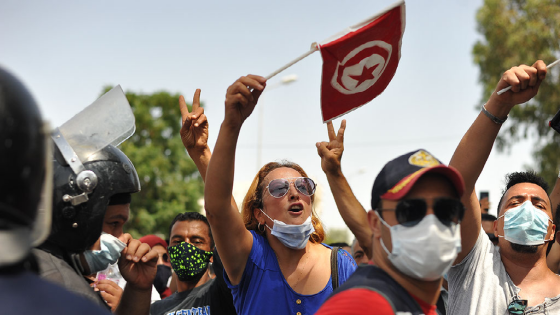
[188, 261]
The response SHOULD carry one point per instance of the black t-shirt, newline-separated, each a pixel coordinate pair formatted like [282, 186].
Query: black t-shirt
[213, 297]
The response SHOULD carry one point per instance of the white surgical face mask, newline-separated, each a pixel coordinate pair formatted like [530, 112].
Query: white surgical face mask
[294, 236]
[111, 248]
[426, 250]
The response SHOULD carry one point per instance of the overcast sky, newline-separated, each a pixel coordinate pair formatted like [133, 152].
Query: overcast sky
[66, 51]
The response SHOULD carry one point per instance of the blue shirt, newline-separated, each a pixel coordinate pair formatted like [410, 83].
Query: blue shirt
[264, 290]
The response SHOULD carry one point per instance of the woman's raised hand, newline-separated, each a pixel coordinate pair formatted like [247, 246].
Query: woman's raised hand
[331, 152]
[241, 98]
[194, 130]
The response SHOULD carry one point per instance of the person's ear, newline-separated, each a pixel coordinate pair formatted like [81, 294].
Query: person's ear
[495, 228]
[553, 232]
[258, 214]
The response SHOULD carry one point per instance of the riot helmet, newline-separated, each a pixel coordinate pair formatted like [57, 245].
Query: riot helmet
[89, 170]
[23, 171]
[21, 152]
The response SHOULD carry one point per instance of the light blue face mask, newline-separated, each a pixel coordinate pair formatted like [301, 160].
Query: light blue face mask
[294, 236]
[525, 225]
[111, 248]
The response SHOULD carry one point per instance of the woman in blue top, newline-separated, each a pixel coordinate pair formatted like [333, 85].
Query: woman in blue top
[272, 254]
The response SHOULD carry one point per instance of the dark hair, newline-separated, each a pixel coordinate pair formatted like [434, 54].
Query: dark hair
[192, 216]
[515, 178]
[488, 217]
[339, 244]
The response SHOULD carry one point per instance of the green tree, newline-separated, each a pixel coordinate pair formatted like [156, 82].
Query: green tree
[336, 235]
[521, 32]
[170, 180]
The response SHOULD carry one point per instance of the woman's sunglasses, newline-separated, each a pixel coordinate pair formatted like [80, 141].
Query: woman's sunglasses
[410, 212]
[279, 187]
[517, 307]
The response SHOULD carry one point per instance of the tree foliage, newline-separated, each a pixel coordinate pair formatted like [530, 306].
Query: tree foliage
[170, 180]
[336, 235]
[521, 32]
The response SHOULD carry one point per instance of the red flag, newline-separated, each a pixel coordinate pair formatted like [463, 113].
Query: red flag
[359, 63]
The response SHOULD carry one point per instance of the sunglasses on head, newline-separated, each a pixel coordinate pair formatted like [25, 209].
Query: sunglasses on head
[279, 187]
[410, 212]
[517, 307]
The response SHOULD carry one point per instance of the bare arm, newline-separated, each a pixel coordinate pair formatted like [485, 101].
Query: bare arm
[553, 257]
[475, 147]
[349, 207]
[194, 134]
[555, 198]
[230, 235]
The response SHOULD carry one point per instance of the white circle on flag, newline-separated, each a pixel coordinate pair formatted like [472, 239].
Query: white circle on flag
[361, 75]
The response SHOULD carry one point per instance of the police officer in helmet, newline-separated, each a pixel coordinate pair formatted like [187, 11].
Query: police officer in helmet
[89, 175]
[23, 175]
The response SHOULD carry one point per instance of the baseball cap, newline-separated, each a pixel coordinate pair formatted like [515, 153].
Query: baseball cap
[399, 175]
[153, 240]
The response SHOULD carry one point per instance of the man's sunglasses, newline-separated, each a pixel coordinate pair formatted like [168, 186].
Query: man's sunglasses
[279, 187]
[410, 212]
[517, 307]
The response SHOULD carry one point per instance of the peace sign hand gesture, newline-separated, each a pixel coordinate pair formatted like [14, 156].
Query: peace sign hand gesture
[331, 152]
[194, 129]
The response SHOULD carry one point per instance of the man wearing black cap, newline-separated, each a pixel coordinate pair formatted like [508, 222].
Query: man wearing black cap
[415, 226]
[514, 277]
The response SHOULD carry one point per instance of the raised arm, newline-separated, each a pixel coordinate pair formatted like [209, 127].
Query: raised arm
[349, 207]
[232, 239]
[475, 147]
[194, 134]
[555, 198]
[553, 257]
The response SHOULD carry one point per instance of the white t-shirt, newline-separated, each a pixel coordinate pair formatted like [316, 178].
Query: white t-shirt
[480, 284]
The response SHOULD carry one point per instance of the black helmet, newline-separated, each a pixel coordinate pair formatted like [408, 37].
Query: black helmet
[78, 211]
[22, 154]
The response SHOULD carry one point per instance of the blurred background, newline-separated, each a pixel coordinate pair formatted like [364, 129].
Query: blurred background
[69, 52]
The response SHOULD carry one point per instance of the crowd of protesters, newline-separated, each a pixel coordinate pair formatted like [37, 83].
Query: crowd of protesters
[427, 244]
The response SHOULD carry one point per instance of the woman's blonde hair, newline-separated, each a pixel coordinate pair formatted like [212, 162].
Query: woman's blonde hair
[254, 200]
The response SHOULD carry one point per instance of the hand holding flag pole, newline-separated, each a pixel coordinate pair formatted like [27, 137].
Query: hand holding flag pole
[502, 91]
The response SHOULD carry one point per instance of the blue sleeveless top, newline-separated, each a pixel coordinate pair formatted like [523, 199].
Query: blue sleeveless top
[264, 290]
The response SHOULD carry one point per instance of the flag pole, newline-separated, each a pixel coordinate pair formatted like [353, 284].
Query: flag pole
[502, 91]
[313, 49]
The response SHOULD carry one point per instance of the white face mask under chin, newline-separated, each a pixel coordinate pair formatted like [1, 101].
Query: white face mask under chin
[294, 236]
[426, 250]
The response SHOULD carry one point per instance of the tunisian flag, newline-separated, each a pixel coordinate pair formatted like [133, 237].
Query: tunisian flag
[359, 62]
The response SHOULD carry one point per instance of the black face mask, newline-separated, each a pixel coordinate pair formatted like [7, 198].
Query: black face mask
[188, 261]
[162, 277]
